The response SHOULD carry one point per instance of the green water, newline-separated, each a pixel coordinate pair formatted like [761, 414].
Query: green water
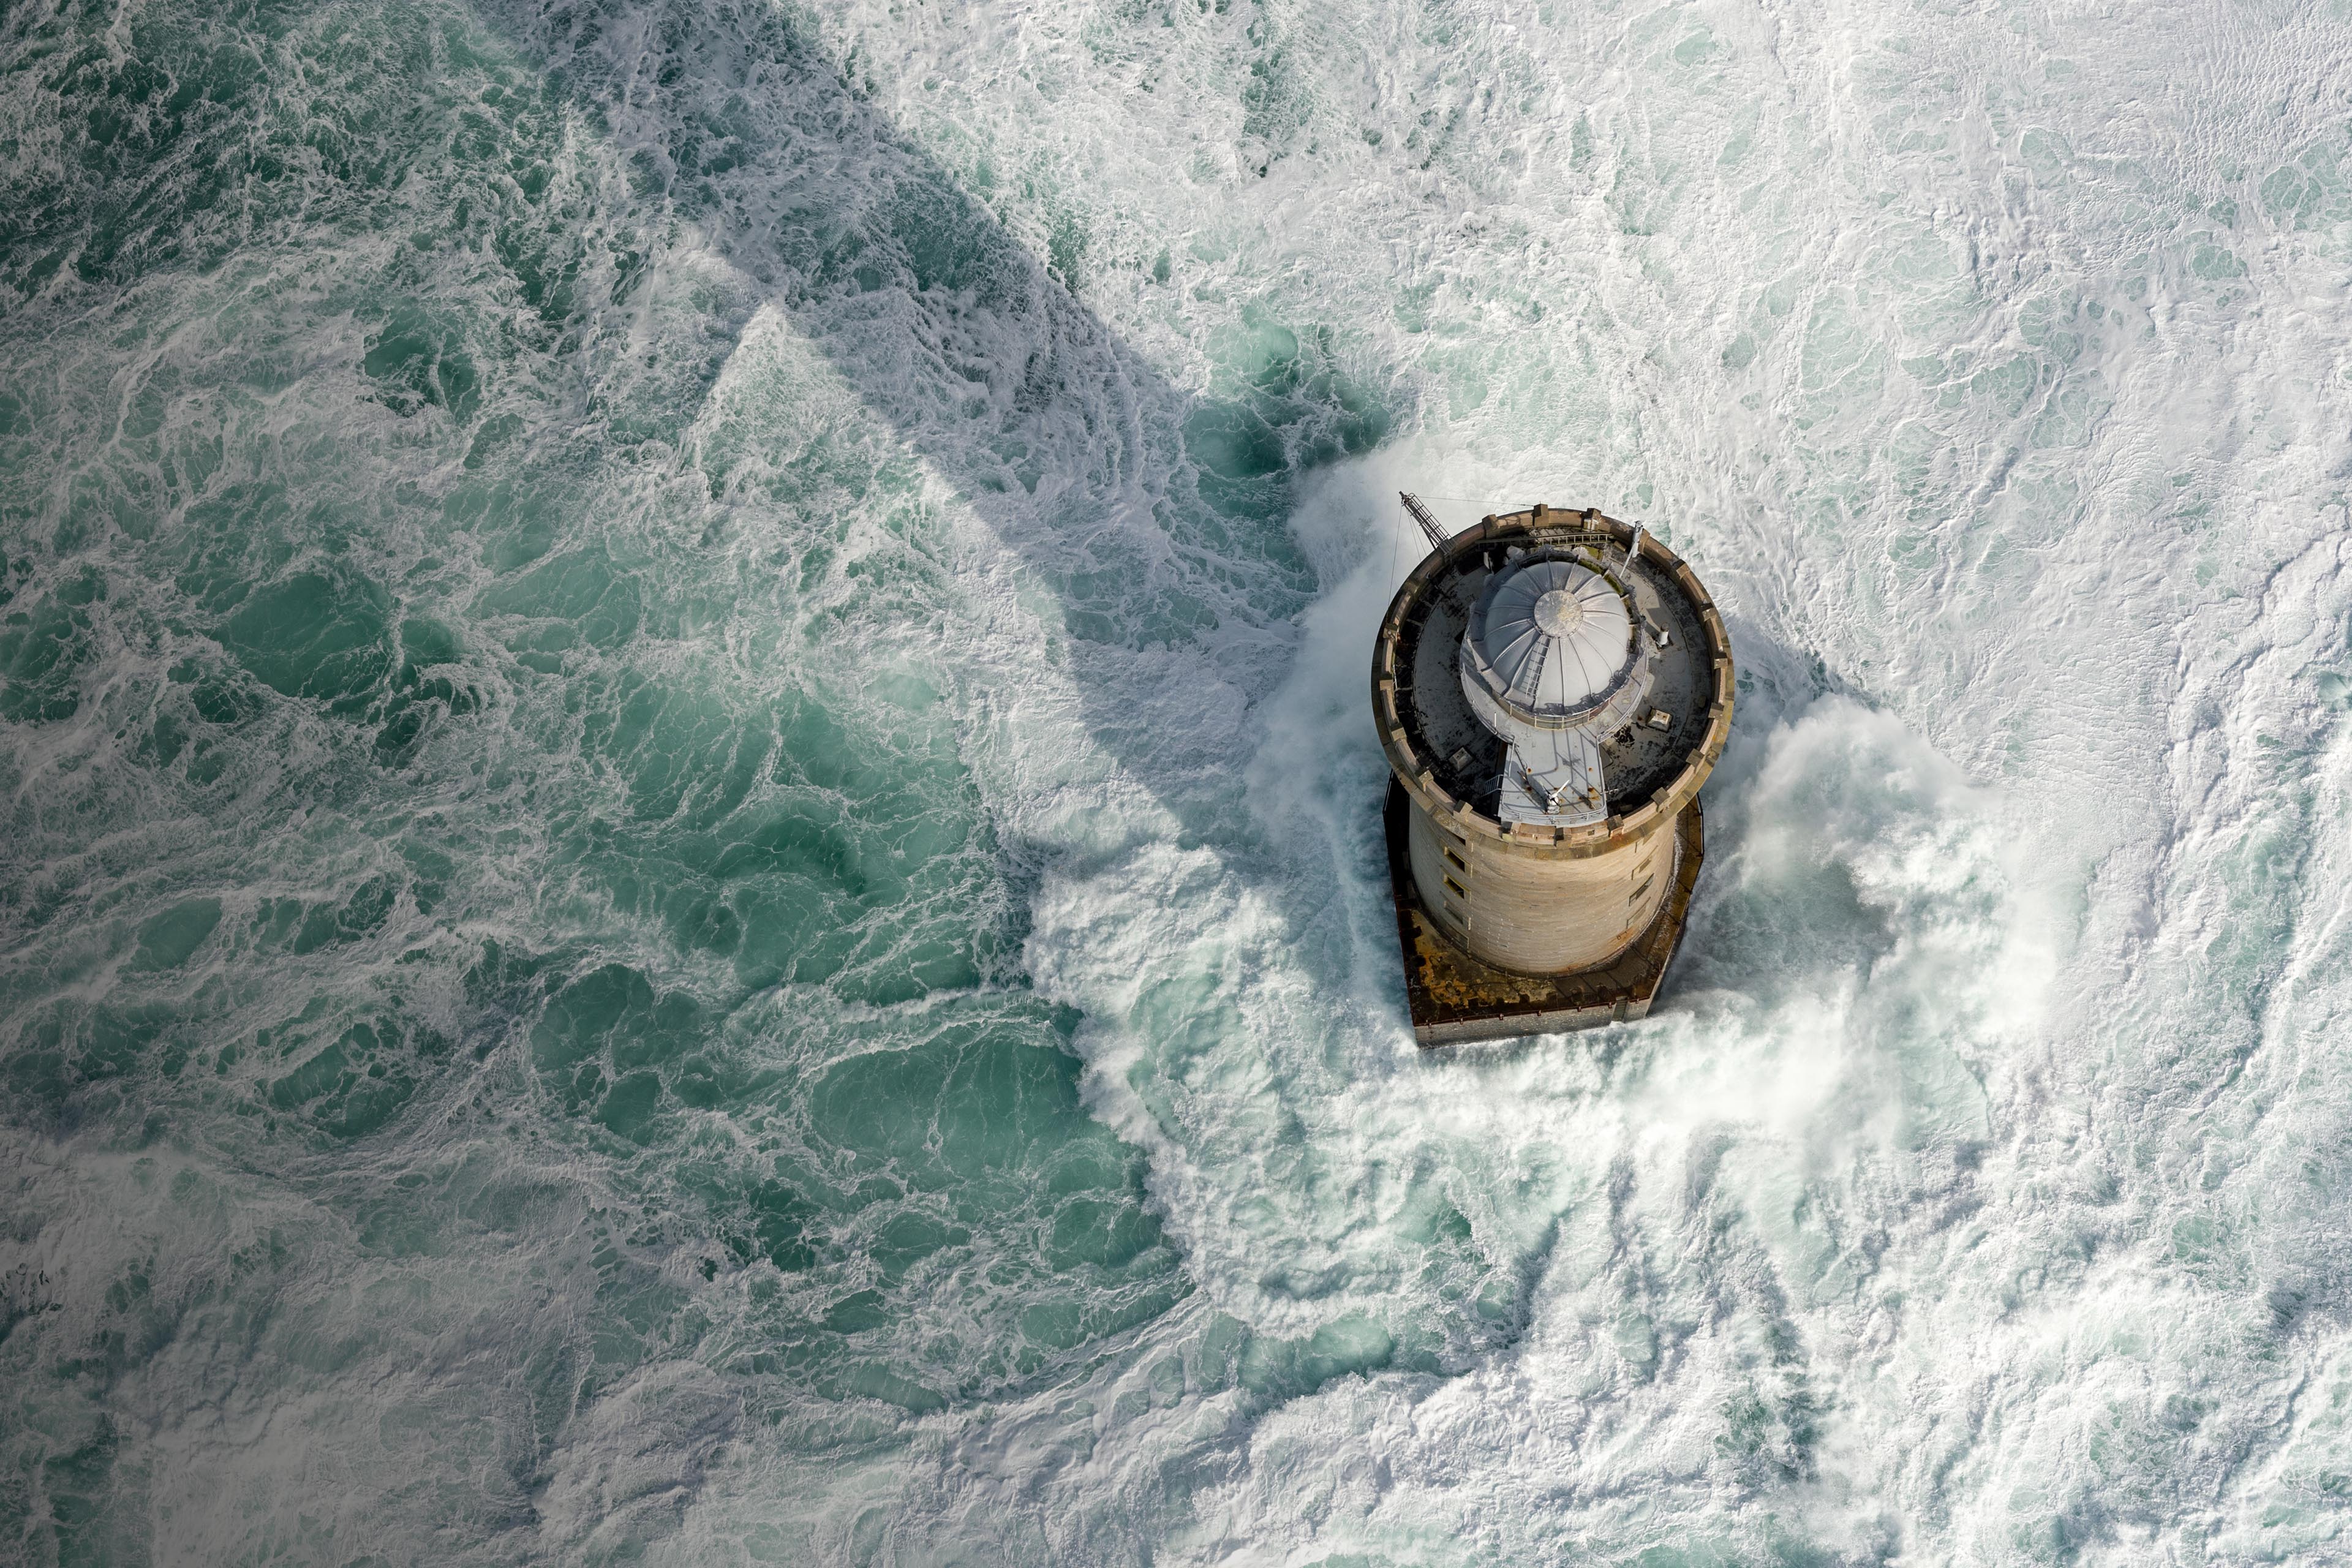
[690, 868]
[493, 853]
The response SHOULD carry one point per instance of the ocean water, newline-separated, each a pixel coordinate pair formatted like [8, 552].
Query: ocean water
[690, 869]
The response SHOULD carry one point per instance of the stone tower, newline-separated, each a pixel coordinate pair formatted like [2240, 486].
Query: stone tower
[1551, 689]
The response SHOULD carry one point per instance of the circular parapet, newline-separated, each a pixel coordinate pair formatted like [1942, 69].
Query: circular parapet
[1445, 757]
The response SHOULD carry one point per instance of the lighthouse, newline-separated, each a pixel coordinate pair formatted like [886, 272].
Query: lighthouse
[1551, 689]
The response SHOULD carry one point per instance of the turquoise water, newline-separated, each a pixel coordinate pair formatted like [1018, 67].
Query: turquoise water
[691, 869]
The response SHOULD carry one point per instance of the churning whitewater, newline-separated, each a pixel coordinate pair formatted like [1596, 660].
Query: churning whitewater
[693, 872]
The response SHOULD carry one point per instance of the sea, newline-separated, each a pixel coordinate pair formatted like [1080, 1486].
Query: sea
[691, 874]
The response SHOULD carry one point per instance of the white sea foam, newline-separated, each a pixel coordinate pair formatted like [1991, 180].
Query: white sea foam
[1869, 1220]
[1976, 1193]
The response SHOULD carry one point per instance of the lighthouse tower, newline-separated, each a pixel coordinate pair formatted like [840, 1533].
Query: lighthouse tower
[1551, 689]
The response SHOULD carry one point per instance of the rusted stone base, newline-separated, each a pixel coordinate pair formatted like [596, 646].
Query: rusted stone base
[1454, 997]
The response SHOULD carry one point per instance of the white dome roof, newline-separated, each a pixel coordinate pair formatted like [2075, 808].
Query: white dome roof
[1551, 637]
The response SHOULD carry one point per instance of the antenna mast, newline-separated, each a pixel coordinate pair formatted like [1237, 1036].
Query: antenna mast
[1421, 514]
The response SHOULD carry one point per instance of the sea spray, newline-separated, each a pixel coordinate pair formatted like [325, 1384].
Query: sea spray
[689, 868]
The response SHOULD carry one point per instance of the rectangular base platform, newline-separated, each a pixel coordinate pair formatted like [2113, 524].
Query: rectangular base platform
[1454, 998]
